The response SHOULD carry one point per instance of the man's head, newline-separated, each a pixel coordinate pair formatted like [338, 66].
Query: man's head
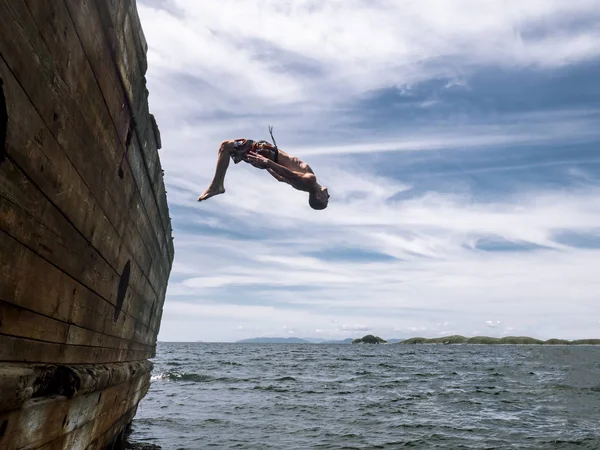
[318, 198]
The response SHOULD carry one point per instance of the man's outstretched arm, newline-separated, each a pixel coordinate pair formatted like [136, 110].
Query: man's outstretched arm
[276, 175]
[296, 179]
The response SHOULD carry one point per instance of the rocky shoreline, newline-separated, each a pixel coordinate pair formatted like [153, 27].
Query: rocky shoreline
[507, 340]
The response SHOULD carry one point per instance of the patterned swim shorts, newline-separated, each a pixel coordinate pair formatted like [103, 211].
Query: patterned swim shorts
[241, 147]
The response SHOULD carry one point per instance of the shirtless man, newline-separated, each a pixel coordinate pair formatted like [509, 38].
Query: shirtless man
[283, 167]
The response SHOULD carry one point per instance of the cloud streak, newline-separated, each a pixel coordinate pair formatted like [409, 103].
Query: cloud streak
[460, 151]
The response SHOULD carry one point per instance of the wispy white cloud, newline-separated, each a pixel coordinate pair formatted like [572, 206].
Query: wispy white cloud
[257, 258]
[266, 50]
[228, 68]
[354, 327]
[438, 269]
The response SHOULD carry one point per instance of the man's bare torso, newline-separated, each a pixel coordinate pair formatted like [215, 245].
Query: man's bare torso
[293, 163]
[242, 149]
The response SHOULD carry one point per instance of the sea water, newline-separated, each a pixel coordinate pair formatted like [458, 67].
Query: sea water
[308, 396]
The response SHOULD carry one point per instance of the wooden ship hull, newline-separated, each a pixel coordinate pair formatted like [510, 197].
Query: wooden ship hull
[85, 235]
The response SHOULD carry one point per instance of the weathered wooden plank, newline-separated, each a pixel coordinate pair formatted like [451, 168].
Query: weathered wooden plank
[135, 308]
[116, 26]
[149, 148]
[145, 133]
[164, 211]
[114, 404]
[26, 428]
[20, 382]
[28, 350]
[101, 320]
[78, 438]
[81, 336]
[52, 247]
[60, 47]
[61, 297]
[150, 145]
[29, 217]
[18, 322]
[145, 188]
[82, 83]
[27, 56]
[20, 281]
[108, 430]
[140, 106]
[53, 422]
[70, 128]
[131, 82]
[75, 440]
[17, 384]
[124, 43]
[32, 146]
[94, 39]
[91, 37]
[115, 432]
[138, 37]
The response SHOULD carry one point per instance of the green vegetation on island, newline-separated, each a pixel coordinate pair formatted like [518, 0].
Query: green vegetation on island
[508, 340]
[586, 342]
[369, 339]
[447, 340]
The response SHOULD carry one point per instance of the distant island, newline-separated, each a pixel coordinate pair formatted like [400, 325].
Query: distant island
[369, 339]
[508, 340]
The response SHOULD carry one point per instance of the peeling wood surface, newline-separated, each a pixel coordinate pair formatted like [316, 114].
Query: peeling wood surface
[82, 196]
[82, 419]
[22, 382]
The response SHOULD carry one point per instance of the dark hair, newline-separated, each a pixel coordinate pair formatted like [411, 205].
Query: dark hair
[315, 203]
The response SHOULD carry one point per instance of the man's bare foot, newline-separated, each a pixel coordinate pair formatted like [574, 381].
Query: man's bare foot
[211, 193]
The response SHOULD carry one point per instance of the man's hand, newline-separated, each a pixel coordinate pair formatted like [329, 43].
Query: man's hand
[257, 160]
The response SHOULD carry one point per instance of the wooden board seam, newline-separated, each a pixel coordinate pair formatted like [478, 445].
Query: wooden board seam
[29, 310]
[74, 279]
[164, 226]
[70, 345]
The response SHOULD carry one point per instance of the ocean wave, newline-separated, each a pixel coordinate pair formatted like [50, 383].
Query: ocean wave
[286, 379]
[172, 375]
[270, 388]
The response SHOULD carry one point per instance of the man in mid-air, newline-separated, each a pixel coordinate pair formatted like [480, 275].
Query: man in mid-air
[263, 155]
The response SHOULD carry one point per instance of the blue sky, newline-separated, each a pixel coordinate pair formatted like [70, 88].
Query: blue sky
[459, 141]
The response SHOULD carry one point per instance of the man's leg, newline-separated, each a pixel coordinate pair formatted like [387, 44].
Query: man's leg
[217, 185]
